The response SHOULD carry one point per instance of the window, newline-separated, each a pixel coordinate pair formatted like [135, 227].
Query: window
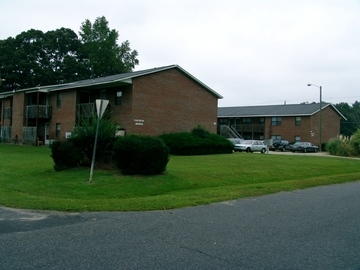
[276, 121]
[297, 138]
[276, 137]
[58, 99]
[223, 121]
[118, 98]
[58, 129]
[298, 121]
[246, 121]
[261, 121]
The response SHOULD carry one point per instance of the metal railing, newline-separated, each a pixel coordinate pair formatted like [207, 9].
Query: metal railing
[229, 132]
[5, 134]
[249, 128]
[38, 111]
[85, 110]
[7, 113]
[29, 135]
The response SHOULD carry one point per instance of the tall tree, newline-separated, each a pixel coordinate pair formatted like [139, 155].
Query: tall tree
[352, 114]
[35, 58]
[65, 61]
[105, 56]
[21, 59]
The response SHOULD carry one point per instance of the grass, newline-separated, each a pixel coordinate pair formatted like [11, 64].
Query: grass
[28, 180]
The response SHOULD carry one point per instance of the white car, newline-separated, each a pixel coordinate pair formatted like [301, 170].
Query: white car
[236, 141]
[250, 146]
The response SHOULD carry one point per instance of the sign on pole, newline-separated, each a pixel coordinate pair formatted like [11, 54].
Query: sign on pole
[101, 105]
[100, 108]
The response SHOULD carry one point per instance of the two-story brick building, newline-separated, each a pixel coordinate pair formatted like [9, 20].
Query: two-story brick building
[152, 102]
[293, 122]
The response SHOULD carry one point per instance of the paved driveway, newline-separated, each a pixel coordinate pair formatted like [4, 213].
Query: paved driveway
[317, 228]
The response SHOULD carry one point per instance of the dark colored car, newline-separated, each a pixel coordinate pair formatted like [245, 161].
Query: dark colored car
[303, 147]
[280, 145]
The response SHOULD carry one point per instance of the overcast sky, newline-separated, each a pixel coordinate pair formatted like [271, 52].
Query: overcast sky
[252, 52]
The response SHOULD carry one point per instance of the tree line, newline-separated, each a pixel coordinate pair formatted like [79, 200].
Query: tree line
[352, 113]
[34, 58]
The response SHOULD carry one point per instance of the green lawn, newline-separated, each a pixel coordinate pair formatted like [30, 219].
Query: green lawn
[28, 180]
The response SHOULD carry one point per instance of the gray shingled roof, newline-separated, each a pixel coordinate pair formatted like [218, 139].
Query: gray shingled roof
[123, 78]
[273, 110]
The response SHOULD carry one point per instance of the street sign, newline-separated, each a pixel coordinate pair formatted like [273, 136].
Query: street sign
[101, 105]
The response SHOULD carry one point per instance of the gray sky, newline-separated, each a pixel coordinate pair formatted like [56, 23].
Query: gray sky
[252, 52]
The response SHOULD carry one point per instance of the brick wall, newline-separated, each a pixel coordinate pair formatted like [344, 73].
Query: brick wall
[18, 114]
[123, 112]
[163, 102]
[309, 128]
[288, 130]
[330, 124]
[167, 102]
[64, 115]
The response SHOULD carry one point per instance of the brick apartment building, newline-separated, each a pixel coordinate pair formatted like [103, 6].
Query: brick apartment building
[293, 122]
[152, 102]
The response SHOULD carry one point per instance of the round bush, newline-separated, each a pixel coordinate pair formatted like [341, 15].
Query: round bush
[65, 155]
[141, 155]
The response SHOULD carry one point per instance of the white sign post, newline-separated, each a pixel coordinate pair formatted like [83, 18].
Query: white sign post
[101, 105]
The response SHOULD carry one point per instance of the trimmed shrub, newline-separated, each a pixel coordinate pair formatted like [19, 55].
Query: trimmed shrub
[180, 143]
[200, 132]
[141, 155]
[65, 155]
[198, 142]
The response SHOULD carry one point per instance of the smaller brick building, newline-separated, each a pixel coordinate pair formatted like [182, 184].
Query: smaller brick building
[293, 122]
[152, 102]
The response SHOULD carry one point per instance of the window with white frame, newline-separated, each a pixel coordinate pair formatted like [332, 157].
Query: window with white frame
[276, 121]
[118, 98]
[58, 130]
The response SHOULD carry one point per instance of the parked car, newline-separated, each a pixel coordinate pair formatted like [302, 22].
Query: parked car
[280, 145]
[251, 146]
[303, 147]
[236, 141]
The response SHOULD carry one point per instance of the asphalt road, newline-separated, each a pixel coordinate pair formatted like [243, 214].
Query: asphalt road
[317, 228]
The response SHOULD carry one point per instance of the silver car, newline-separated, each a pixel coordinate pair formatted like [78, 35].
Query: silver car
[235, 141]
[250, 146]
